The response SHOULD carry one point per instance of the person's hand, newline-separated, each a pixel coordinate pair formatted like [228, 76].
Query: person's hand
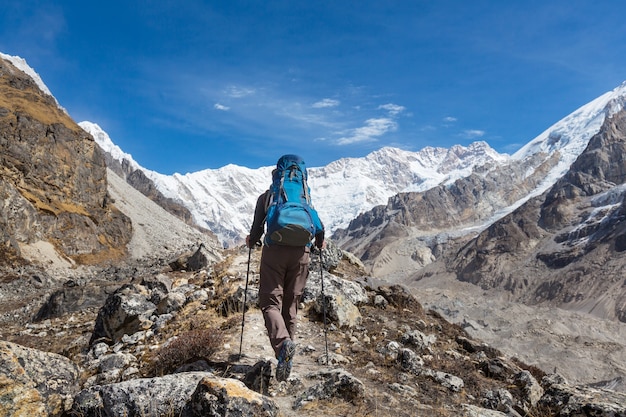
[320, 244]
[248, 241]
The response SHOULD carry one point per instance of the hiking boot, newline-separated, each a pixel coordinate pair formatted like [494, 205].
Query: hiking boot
[285, 360]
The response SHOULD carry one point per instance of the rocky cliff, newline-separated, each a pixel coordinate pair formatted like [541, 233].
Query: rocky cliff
[53, 183]
[565, 247]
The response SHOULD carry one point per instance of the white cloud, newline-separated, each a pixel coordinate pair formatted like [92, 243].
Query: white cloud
[327, 102]
[393, 109]
[450, 119]
[221, 107]
[239, 92]
[370, 132]
[473, 133]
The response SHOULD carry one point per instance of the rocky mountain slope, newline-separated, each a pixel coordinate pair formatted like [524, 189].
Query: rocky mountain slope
[124, 166]
[53, 179]
[565, 247]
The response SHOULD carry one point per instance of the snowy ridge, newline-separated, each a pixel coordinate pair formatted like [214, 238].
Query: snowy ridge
[570, 135]
[107, 145]
[350, 186]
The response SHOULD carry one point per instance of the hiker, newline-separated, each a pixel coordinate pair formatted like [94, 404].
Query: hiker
[291, 224]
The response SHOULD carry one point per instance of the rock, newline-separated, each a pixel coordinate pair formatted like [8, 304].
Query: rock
[72, 298]
[400, 297]
[380, 301]
[473, 346]
[201, 259]
[418, 339]
[500, 399]
[452, 382]
[473, 411]
[410, 361]
[167, 395]
[217, 397]
[160, 282]
[59, 174]
[331, 256]
[125, 312]
[257, 378]
[171, 303]
[35, 383]
[186, 394]
[574, 401]
[335, 384]
[339, 310]
[234, 302]
[350, 290]
[530, 387]
[498, 368]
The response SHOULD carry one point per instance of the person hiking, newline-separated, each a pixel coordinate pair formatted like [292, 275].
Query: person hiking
[291, 224]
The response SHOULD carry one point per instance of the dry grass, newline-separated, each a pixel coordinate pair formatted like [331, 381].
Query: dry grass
[187, 347]
[30, 100]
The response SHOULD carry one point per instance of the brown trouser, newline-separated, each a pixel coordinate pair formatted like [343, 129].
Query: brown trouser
[284, 271]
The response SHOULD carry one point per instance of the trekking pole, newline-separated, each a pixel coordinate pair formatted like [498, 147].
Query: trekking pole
[245, 301]
[324, 307]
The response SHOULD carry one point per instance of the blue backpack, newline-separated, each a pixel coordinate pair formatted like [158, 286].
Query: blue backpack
[291, 219]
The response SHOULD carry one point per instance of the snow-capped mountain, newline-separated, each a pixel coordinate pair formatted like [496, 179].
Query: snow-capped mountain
[223, 199]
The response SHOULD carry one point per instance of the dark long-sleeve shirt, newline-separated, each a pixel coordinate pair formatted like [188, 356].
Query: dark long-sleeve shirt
[260, 211]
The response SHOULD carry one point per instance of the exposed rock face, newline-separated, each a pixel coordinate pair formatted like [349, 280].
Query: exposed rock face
[53, 177]
[138, 180]
[35, 383]
[565, 247]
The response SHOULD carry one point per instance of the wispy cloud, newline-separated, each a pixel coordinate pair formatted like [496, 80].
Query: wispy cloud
[239, 92]
[218, 106]
[327, 102]
[393, 109]
[449, 119]
[373, 129]
[473, 133]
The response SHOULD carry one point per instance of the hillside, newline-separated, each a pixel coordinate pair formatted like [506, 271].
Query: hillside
[53, 179]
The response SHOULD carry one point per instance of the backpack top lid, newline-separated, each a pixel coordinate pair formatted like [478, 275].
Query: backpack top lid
[286, 161]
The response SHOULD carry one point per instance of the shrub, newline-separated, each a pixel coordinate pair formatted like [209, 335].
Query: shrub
[186, 348]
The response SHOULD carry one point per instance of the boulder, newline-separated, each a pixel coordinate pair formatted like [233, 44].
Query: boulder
[126, 311]
[573, 401]
[35, 383]
[350, 290]
[339, 310]
[202, 258]
[186, 394]
[334, 384]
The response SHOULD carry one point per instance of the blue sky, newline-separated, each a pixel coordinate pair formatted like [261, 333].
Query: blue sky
[189, 85]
